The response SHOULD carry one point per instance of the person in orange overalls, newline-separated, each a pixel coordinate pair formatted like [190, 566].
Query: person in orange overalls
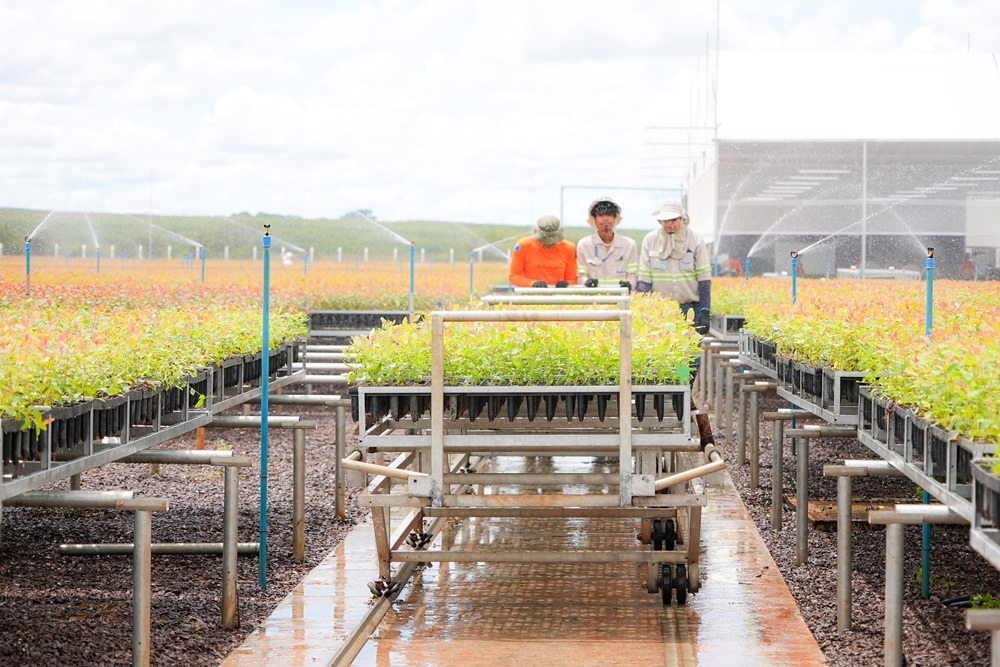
[545, 258]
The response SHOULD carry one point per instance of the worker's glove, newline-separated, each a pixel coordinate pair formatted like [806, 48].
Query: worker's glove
[562, 283]
[642, 286]
[626, 284]
[590, 282]
[539, 283]
[701, 320]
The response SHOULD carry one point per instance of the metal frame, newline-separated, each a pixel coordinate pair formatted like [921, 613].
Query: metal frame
[37, 474]
[427, 469]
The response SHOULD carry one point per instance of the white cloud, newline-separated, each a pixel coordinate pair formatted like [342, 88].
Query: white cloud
[449, 109]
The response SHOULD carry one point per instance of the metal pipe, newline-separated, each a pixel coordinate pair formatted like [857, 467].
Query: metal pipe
[755, 440]
[777, 473]
[141, 588]
[527, 315]
[336, 380]
[159, 549]
[715, 464]
[376, 469]
[728, 420]
[719, 374]
[497, 556]
[341, 439]
[299, 495]
[844, 565]
[986, 619]
[741, 428]
[252, 421]
[556, 298]
[230, 547]
[265, 372]
[320, 366]
[71, 499]
[802, 503]
[894, 533]
[324, 400]
[515, 478]
[184, 457]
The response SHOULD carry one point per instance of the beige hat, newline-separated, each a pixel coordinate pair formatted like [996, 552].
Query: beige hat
[548, 230]
[603, 206]
[670, 209]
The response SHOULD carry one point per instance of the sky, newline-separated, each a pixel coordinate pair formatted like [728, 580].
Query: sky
[462, 110]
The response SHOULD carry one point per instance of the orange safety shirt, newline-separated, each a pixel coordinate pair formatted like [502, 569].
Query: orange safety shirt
[531, 261]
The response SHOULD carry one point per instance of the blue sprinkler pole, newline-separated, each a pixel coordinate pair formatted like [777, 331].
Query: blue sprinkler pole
[27, 266]
[925, 580]
[305, 263]
[98, 259]
[265, 372]
[413, 254]
[746, 269]
[795, 271]
[202, 252]
[472, 289]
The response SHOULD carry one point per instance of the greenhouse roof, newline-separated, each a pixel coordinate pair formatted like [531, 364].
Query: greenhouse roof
[844, 96]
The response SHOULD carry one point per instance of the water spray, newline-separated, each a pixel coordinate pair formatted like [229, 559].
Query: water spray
[472, 256]
[413, 254]
[265, 373]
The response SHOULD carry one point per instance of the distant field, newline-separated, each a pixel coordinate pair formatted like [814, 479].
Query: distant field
[75, 234]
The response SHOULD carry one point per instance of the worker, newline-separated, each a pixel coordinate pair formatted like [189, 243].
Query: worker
[674, 262]
[544, 258]
[968, 270]
[606, 259]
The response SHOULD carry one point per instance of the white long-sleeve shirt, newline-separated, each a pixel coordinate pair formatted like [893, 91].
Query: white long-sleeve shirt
[675, 263]
[610, 263]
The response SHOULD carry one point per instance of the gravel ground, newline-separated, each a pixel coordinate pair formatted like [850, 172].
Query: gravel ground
[933, 633]
[60, 610]
[64, 610]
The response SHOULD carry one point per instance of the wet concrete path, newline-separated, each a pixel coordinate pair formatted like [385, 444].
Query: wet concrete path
[564, 614]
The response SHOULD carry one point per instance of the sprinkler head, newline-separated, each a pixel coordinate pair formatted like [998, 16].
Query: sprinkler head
[267, 230]
[930, 253]
[795, 254]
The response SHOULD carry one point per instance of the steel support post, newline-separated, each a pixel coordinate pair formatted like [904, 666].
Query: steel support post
[230, 519]
[719, 375]
[986, 619]
[894, 533]
[844, 555]
[339, 469]
[741, 427]
[755, 440]
[299, 495]
[802, 503]
[728, 412]
[777, 473]
[141, 587]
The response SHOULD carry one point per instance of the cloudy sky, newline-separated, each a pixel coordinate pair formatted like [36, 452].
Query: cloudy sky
[489, 111]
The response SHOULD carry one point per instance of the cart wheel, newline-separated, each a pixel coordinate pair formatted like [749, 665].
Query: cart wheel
[657, 535]
[666, 590]
[670, 535]
[681, 584]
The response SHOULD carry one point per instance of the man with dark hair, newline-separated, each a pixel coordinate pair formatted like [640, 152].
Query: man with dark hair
[606, 259]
